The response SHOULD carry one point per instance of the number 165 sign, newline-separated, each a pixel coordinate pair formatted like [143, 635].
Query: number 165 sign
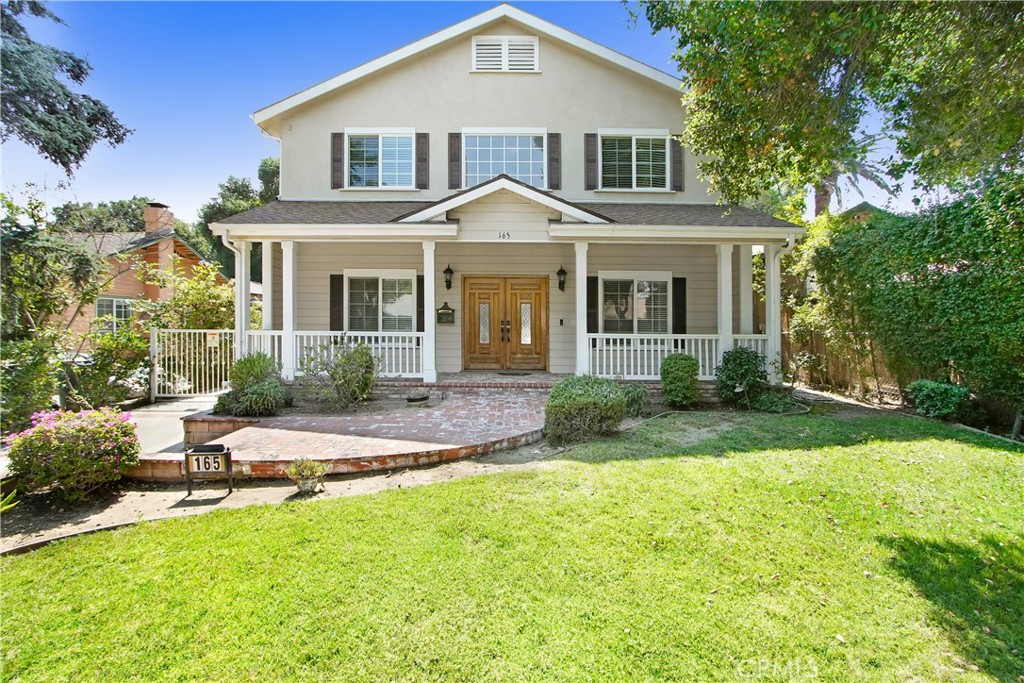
[208, 459]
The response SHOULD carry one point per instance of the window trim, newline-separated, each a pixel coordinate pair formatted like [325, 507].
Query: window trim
[633, 134]
[503, 130]
[504, 54]
[635, 275]
[113, 314]
[381, 133]
[381, 275]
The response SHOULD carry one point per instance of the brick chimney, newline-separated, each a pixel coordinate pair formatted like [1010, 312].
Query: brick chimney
[157, 217]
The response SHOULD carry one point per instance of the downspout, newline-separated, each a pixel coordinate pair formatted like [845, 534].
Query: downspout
[239, 332]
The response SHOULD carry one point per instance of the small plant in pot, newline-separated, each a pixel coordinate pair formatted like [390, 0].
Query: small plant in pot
[417, 396]
[307, 474]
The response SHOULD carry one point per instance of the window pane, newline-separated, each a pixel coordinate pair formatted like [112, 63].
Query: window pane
[651, 307]
[617, 162]
[396, 161]
[617, 306]
[485, 322]
[363, 304]
[525, 323]
[651, 168]
[519, 156]
[363, 161]
[399, 305]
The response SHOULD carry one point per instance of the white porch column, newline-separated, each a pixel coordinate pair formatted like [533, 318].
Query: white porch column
[288, 250]
[773, 310]
[582, 346]
[725, 338]
[243, 275]
[268, 285]
[429, 319]
[746, 255]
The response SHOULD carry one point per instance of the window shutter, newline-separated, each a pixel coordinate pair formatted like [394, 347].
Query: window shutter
[590, 160]
[422, 161]
[677, 164]
[420, 310]
[337, 304]
[454, 161]
[521, 54]
[593, 310]
[554, 161]
[337, 161]
[679, 305]
[488, 54]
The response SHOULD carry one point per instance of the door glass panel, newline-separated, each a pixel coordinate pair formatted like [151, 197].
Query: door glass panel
[525, 328]
[485, 322]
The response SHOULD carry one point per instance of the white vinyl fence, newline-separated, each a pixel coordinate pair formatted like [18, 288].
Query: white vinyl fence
[190, 362]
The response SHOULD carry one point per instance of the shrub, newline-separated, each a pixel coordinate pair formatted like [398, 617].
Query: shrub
[27, 382]
[938, 399]
[583, 406]
[679, 385]
[253, 368]
[637, 402]
[342, 374]
[118, 369]
[304, 468]
[256, 389]
[741, 377]
[76, 452]
[774, 401]
[260, 399]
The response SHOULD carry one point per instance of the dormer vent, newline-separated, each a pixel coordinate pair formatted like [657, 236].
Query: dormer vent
[505, 54]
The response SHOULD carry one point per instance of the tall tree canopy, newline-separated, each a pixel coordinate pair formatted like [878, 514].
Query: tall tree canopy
[783, 92]
[36, 104]
[121, 215]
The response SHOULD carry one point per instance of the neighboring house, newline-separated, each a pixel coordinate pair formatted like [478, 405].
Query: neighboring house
[864, 211]
[157, 244]
[500, 195]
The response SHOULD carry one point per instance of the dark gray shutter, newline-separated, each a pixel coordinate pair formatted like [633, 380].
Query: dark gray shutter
[554, 161]
[593, 309]
[454, 161]
[419, 304]
[337, 161]
[422, 161]
[337, 302]
[677, 164]
[679, 305]
[590, 160]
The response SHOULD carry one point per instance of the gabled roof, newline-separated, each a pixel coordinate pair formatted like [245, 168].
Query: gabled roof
[115, 243]
[497, 184]
[475, 23]
[864, 206]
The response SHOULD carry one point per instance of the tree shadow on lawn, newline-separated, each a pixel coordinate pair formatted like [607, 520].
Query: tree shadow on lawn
[977, 592]
[723, 433]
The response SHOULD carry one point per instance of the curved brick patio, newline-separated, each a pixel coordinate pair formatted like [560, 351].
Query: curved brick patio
[464, 425]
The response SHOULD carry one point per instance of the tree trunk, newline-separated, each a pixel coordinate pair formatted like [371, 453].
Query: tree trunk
[1018, 423]
[823, 194]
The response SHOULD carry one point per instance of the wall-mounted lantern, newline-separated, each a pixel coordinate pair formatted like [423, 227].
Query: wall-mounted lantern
[448, 274]
[561, 278]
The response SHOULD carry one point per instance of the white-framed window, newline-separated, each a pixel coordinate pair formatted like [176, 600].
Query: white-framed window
[380, 300]
[508, 54]
[518, 152]
[634, 160]
[635, 302]
[114, 312]
[380, 157]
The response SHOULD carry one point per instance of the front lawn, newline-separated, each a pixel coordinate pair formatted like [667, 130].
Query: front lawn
[701, 547]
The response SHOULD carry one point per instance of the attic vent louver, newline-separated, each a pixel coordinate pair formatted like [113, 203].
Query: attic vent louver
[505, 53]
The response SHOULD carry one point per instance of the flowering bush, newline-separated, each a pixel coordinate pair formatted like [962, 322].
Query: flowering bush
[77, 452]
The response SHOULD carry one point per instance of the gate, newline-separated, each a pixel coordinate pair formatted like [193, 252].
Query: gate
[190, 362]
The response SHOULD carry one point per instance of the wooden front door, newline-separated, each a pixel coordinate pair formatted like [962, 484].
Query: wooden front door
[505, 326]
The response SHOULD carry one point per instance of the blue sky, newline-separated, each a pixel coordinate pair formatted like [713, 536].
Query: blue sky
[187, 75]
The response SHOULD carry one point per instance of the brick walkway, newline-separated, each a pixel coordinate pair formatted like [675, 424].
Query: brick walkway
[466, 424]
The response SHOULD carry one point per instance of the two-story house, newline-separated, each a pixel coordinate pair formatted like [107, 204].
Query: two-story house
[501, 195]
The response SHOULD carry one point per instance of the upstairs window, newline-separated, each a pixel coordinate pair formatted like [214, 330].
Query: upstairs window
[380, 159]
[505, 54]
[634, 162]
[520, 154]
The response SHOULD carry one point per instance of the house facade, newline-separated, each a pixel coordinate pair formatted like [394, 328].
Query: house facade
[502, 195]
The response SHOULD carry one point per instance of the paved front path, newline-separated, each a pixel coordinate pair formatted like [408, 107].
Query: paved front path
[159, 425]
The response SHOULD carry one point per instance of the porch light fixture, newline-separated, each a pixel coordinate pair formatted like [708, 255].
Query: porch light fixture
[561, 278]
[448, 274]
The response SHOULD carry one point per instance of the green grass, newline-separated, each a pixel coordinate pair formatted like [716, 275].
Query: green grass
[700, 547]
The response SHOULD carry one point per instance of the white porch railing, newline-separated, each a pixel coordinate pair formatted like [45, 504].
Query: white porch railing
[400, 353]
[270, 342]
[190, 362]
[639, 356]
[757, 342]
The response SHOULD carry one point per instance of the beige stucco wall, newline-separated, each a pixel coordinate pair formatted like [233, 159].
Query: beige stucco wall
[435, 93]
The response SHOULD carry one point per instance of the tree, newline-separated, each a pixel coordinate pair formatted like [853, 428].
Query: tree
[199, 300]
[781, 92]
[36, 104]
[122, 215]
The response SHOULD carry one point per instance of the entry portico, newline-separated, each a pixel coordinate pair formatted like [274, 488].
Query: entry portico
[504, 276]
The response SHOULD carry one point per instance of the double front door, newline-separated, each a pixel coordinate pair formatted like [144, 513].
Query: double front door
[505, 326]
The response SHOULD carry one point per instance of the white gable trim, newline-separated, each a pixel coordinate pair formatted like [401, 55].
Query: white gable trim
[465, 27]
[490, 187]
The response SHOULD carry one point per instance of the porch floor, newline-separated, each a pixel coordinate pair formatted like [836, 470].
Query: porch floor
[466, 424]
